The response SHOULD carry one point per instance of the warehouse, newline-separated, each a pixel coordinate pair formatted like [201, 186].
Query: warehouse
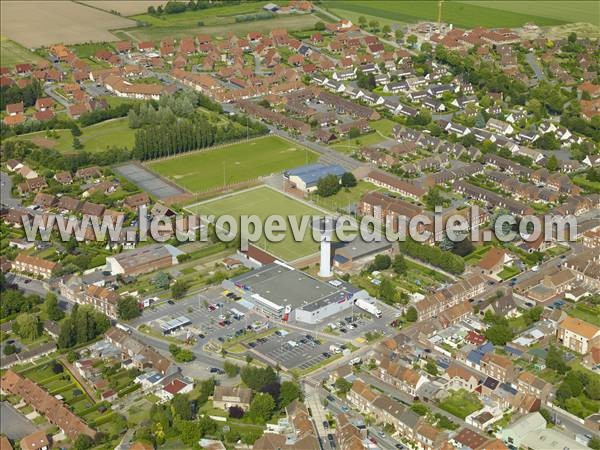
[306, 178]
[282, 292]
[143, 260]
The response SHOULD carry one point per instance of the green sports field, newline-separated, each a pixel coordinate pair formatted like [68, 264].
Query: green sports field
[235, 163]
[470, 14]
[263, 202]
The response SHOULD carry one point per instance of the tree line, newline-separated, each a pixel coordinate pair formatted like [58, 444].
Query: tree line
[81, 326]
[433, 255]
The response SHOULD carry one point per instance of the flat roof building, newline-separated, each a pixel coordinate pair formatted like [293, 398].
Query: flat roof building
[306, 178]
[143, 260]
[279, 290]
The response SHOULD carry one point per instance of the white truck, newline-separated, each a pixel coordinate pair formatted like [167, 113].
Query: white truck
[368, 307]
[355, 361]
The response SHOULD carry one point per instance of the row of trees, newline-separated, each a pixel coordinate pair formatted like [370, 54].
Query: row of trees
[433, 255]
[82, 325]
[14, 94]
[330, 184]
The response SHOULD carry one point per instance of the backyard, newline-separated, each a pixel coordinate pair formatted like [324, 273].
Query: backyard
[461, 403]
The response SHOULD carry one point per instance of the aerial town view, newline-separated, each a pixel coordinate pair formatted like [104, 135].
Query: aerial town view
[300, 224]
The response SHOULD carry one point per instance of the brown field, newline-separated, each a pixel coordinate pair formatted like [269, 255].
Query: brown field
[36, 23]
[125, 7]
[44, 142]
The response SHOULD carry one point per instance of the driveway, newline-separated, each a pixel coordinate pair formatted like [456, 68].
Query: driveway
[13, 423]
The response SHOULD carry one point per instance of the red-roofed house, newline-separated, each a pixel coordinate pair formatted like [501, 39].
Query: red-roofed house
[177, 386]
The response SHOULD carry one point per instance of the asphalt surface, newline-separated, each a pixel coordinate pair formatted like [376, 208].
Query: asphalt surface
[13, 424]
[6, 197]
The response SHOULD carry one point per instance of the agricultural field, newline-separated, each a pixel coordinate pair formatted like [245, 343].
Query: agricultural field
[51, 22]
[289, 22]
[12, 53]
[571, 11]
[244, 161]
[263, 202]
[124, 7]
[94, 138]
[470, 14]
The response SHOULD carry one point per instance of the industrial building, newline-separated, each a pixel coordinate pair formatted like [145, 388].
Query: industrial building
[143, 260]
[282, 292]
[306, 178]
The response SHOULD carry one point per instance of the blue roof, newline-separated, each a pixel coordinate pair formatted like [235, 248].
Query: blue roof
[341, 259]
[486, 348]
[475, 356]
[312, 173]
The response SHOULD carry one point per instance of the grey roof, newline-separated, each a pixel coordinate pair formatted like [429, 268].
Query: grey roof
[284, 285]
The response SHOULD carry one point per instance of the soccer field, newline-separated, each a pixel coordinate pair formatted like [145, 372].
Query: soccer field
[263, 202]
[235, 163]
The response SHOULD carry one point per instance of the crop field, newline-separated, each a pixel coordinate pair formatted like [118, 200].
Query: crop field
[94, 138]
[12, 53]
[41, 23]
[235, 163]
[473, 13]
[124, 7]
[289, 22]
[263, 202]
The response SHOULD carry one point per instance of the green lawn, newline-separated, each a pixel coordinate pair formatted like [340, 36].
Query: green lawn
[208, 169]
[12, 53]
[345, 197]
[94, 138]
[352, 145]
[583, 182]
[263, 202]
[508, 272]
[383, 126]
[586, 312]
[472, 14]
[461, 403]
[89, 49]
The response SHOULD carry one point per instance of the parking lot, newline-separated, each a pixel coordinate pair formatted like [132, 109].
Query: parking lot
[362, 322]
[210, 312]
[293, 350]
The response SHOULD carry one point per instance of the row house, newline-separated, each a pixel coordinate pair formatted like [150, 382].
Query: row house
[377, 157]
[405, 379]
[499, 367]
[492, 198]
[530, 384]
[34, 265]
[395, 184]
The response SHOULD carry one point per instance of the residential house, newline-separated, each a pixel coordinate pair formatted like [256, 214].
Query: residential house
[35, 441]
[499, 367]
[225, 397]
[34, 265]
[578, 335]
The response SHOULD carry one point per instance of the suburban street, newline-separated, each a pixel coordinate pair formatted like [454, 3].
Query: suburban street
[6, 197]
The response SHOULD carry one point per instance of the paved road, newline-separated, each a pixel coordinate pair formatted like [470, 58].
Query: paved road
[532, 60]
[51, 92]
[13, 424]
[6, 198]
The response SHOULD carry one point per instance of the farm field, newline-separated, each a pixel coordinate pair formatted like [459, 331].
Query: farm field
[124, 7]
[210, 16]
[263, 202]
[571, 11]
[244, 161]
[12, 53]
[458, 13]
[94, 138]
[290, 23]
[49, 22]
